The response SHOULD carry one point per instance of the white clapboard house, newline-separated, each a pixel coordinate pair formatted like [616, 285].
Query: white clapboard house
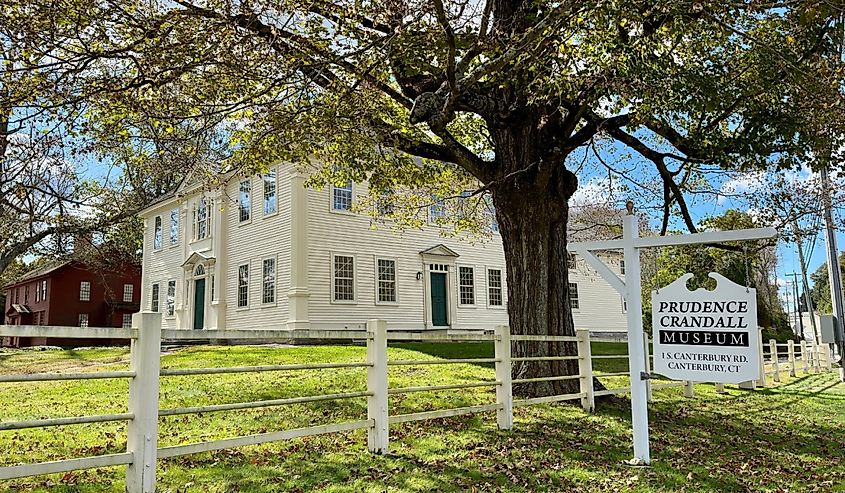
[265, 252]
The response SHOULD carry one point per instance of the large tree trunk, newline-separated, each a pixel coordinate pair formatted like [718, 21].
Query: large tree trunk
[532, 212]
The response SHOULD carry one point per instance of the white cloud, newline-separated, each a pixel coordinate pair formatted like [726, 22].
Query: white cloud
[597, 191]
[745, 183]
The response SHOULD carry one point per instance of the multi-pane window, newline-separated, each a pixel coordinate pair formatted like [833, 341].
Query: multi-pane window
[83, 320]
[154, 298]
[171, 298]
[174, 226]
[570, 260]
[127, 321]
[85, 291]
[573, 296]
[622, 267]
[385, 205]
[344, 278]
[436, 210]
[494, 287]
[157, 233]
[43, 290]
[342, 197]
[244, 201]
[268, 281]
[243, 285]
[270, 205]
[386, 280]
[202, 219]
[466, 285]
[128, 293]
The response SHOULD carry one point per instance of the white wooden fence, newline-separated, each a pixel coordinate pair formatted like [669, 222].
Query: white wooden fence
[143, 452]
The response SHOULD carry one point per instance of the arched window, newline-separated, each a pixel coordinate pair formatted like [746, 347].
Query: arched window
[199, 271]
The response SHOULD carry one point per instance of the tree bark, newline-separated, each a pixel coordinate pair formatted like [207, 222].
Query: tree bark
[532, 212]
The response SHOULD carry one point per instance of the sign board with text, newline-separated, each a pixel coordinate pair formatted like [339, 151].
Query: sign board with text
[706, 336]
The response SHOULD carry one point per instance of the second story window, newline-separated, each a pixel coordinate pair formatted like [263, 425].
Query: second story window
[202, 219]
[157, 233]
[244, 201]
[622, 267]
[570, 260]
[573, 296]
[128, 293]
[43, 290]
[270, 206]
[85, 291]
[342, 197]
[174, 226]
[436, 210]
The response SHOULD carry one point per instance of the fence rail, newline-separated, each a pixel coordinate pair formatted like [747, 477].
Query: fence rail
[144, 375]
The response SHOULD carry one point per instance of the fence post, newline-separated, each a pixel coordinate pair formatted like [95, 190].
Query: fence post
[689, 388]
[142, 432]
[790, 345]
[773, 354]
[647, 351]
[804, 356]
[762, 359]
[377, 410]
[816, 362]
[504, 391]
[828, 357]
[585, 369]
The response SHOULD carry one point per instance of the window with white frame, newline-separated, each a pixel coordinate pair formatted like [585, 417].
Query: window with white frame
[83, 320]
[268, 281]
[385, 204]
[244, 200]
[494, 287]
[343, 275]
[437, 210]
[85, 291]
[243, 285]
[570, 260]
[466, 285]
[270, 203]
[386, 280]
[157, 233]
[622, 267]
[171, 298]
[212, 287]
[202, 219]
[342, 197]
[174, 226]
[128, 293]
[154, 297]
[573, 296]
[127, 321]
[624, 304]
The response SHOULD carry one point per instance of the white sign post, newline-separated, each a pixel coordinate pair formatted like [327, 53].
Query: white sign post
[706, 336]
[630, 288]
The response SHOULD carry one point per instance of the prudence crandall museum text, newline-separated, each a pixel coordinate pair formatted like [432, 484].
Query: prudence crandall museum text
[706, 336]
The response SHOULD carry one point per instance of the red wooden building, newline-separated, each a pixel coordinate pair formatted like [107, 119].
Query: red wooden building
[70, 293]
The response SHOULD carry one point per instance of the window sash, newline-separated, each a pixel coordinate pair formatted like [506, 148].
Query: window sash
[494, 287]
[128, 293]
[343, 274]
[83, 320]
[127, 321]
[243, 285]
[154, 298]
[270, 186]
[157, 233]
[268, 285]
[174, 226]
[342, 197]
[202, 215]
[386, 280]
[85, 291]
[244, 201]
[573, 296]
[466, 285]
[171, 298]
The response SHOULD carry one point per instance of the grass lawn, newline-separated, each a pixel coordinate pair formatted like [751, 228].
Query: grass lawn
[789, 438]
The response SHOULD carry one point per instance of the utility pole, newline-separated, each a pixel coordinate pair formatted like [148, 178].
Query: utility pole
[799, 321]
[833, 272]
[816, 334]
[790, 314]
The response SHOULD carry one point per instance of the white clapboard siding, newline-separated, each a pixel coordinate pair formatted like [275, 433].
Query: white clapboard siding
[252, 242]
[163, 265]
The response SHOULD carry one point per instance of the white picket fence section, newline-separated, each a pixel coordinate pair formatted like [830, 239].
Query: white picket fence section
[144, 374]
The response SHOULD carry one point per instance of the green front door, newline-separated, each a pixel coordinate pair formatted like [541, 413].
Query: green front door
[438, 299]
[199, 303]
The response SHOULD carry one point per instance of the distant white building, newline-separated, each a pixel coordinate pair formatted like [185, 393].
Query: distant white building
[265, 252]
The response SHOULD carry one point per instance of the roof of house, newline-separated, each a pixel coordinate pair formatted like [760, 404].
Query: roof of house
[40, 271]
